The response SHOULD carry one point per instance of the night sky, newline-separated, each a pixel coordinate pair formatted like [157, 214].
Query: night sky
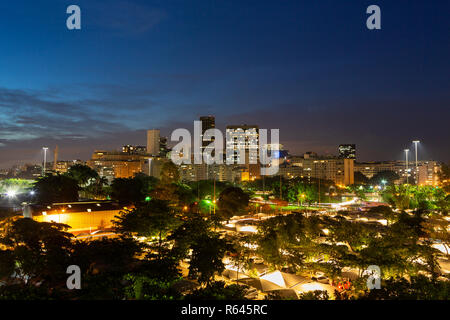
[310, 68]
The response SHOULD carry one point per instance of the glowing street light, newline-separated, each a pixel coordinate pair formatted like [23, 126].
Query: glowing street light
[302, 198]
[11, 193]
[416, 142]
[406, 155]
[45, 159]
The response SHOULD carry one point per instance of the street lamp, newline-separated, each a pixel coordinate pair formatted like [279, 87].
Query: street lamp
[406, 155]
[416, 142]
[45, 159]
[11, 193]
[302, 197]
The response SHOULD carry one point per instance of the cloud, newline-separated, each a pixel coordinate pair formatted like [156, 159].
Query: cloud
[84, 117]
[28, 114]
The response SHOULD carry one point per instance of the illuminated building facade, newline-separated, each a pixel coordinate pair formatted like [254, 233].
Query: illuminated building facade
[153, 139]
[113, 164]
[340, 171]
[80, 216]
[428, 173]
[347, 151]
[242, 137]
[134, 149]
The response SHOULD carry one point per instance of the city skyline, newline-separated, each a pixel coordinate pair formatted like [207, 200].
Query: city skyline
[215, 158]
[423, 154]
[140, 65]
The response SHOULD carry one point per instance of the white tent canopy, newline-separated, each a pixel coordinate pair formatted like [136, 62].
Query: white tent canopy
[261, 284]
[284, 280]
[285, 284]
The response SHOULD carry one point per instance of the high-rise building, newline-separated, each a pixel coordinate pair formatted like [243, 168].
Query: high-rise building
[428, 173]
[153, 142]
[348, 177]
[347, 151]
[243, 137]
[208, 122]
[55, 159]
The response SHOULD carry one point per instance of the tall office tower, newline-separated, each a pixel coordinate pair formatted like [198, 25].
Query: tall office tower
[347, 151]
[55, 159]
[153, 142]
[243, 137]
[349, 172]
[208, 122]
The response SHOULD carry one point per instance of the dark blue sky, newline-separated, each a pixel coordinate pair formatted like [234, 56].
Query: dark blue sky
[310, 68]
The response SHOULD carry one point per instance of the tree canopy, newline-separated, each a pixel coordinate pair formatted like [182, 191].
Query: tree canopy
[56, 188]
[232, 201]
